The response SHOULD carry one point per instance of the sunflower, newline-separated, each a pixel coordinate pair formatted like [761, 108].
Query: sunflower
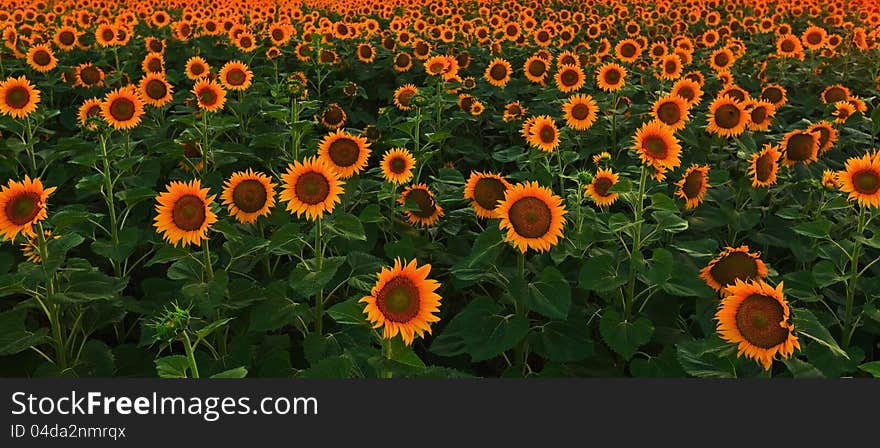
[789, 46]
[764, 165]
[498, 72]
[861, 179]
[535, 69]
[580, 112]
[65, 38]
[656, 145]
[89, 75]
[731, 265]
[842, 111]
[827, 135]
[800, 146]
[755, 316]
[153, 63]
[628, 50]
[814, 38]
[721, 59]
[366, 53]
[403, 301]
[397, 165]
[210, 96]
[235, 75]
[569, 78]
[122, 108]
[760, 114]
[671, 111]
[611, 77]
[693, 185]
[727, 117]
[830, 180]
[402, 62]
[311, 187]
[155, 90]
[333, 117]
[22, 204]
[599, 186]
[18, 97]
[543, 134]
[31, 247]
[670, 67]
[41, 58]
[89, 110]
[835, 93]
[419, 205]
[514, 111]
[248, 195]
[532, 215]
[344, 153]
[403, 96]
[437, 65]
[774, 94]
[689, 90]
[197, 68]
[485, 191]
[184, 213]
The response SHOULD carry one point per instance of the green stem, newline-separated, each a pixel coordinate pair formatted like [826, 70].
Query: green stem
[561, 173]
[190, 356]
[386, 353]
[522, 349]
[28, 144]
[207, 154]
[209, 268]
[319, 301]
[53, 310]
[853, 280]
[294, 136]
[108, 196]
[638, 209]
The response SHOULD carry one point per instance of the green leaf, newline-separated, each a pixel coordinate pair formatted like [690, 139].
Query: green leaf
[660, 201]
[238, 372]
[306, 279]
[348, 226]
[404, 354]
[562, 341]
[335, 367]
[706, 358]
[819, 228]
[660, 267]
[802, 369]
[825, 274]
[174, 366]
[669, 221]
[273, 314]
[96, 360]
[806, 324]
[212, 327]
[481, 330]
[872, 367]
[599, 273]
[286, 240]
[349, 312]
[623, 336]
[13, 336]
[548, 294]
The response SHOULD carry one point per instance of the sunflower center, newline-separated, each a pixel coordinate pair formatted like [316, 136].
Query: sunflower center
[866, 181]
[628, 50]
[399, 300]
[727, 116]
[312, 188]
[547, 134]
[800, 147]
[670, 67]
[155, 65]
[669, 113]
[207, 96]
[277, 34]
[787, 46]
[721, 59]
[612, 76]
[366, 52]
[835, 94]
[537, 67]
[41, 58]
[814, 38]
[569, 78]
[488, 192]
[23, 208]
[687, 93]
[402, 60]
[245, 42]
[498, 72]
[67, 38]
[736, 265]
[772, 95]
[188, 213]
[333, 116]
[423, 201]
[249, 196]
[602, 185]
[107, 35]
[156, 89]
[156, 46]
[236, 77]
[656, 147]
[758, 319]
[580, 111]
[122, 109]
[344, 152]
[758, 115]
[693, 184]
[436, 67]
[397, 165]
[17, 97]
[405, 97]
[530, 217]
[764, 167]
[197, 69]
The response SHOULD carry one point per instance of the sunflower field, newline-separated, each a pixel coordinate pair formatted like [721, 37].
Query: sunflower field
[444, 188]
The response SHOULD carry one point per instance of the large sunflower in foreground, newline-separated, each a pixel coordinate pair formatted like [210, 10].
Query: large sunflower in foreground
[122, 108]
[18, 97]
[184, 213]
[693, 185]
[403, 301]
[861, 179]
[764, 165]
[248, 195]
[727, 117]
[22, 204]
[344, 153]
[755, 316]
[532, 215]
[602, 182]
[657, 145]
[419, 205]
[397, 165]
[311, 187]
[485, 191]
[733, 264]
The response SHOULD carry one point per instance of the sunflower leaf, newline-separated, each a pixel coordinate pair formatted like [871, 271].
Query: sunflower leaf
[806, 324]
[622, 335]
[872, 367]
[819, 228]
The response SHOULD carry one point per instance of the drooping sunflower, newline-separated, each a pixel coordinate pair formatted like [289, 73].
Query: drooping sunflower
[345, 153]
[727, 117]
[514, 111]
[774, 94]
[532, 215]
[602, 182]
[827, 135]
[672, 111]
[569, 78]
[397, 165]
[764, 165]
[731, 265]
[122, 108]
[842, 111]
[800, 147]
[543, 134]
[830, 180]
[420, 207]
[89, 110]
[41, 58]
[31, 247]
[210, 96]
[311, 187]
[22, 204]
[333, 117]
[155, 90]
[861, 179]
[403, 96]
[611, 77]
[536, 69]
[835, 93]
[18, 97]
[498, 72]
[235, 75]
[485, 191]
[693, 185]
[248, 195]
[197, 68]
[184, 213]
[657, 145]
[580, 112]
[755, 316]
[760, 115]
[404, 301]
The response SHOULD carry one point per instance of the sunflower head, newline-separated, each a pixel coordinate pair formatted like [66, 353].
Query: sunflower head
[727, 117]
[485, 191]
[580, 112]
[569, 78]
[657, 145]
[420, 207]
[311, 187]
[210, 96]
[236, 75]
[18, 97]
[672, 111]
[611, 77]
[733, 264]
[861, 179]
[404, 95]
[532, 215]
[248, 195]
[800, 147]
[693, 185]
[122, 108]
[397, 165]
[345, 153]
[543, 134]
[498, 72]
[184, 213]
[22, 204]
[403, 300]
[599, 187]
[155, 90]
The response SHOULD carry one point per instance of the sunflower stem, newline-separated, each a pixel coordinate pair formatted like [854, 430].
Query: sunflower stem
[53, 310]
[319, 300]
[209, 268]
[853, 280]
[28, 144]
[108, 196]
[190, 355]
[386, 353]
[522, 348]
[561, 172]
[638, 209]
